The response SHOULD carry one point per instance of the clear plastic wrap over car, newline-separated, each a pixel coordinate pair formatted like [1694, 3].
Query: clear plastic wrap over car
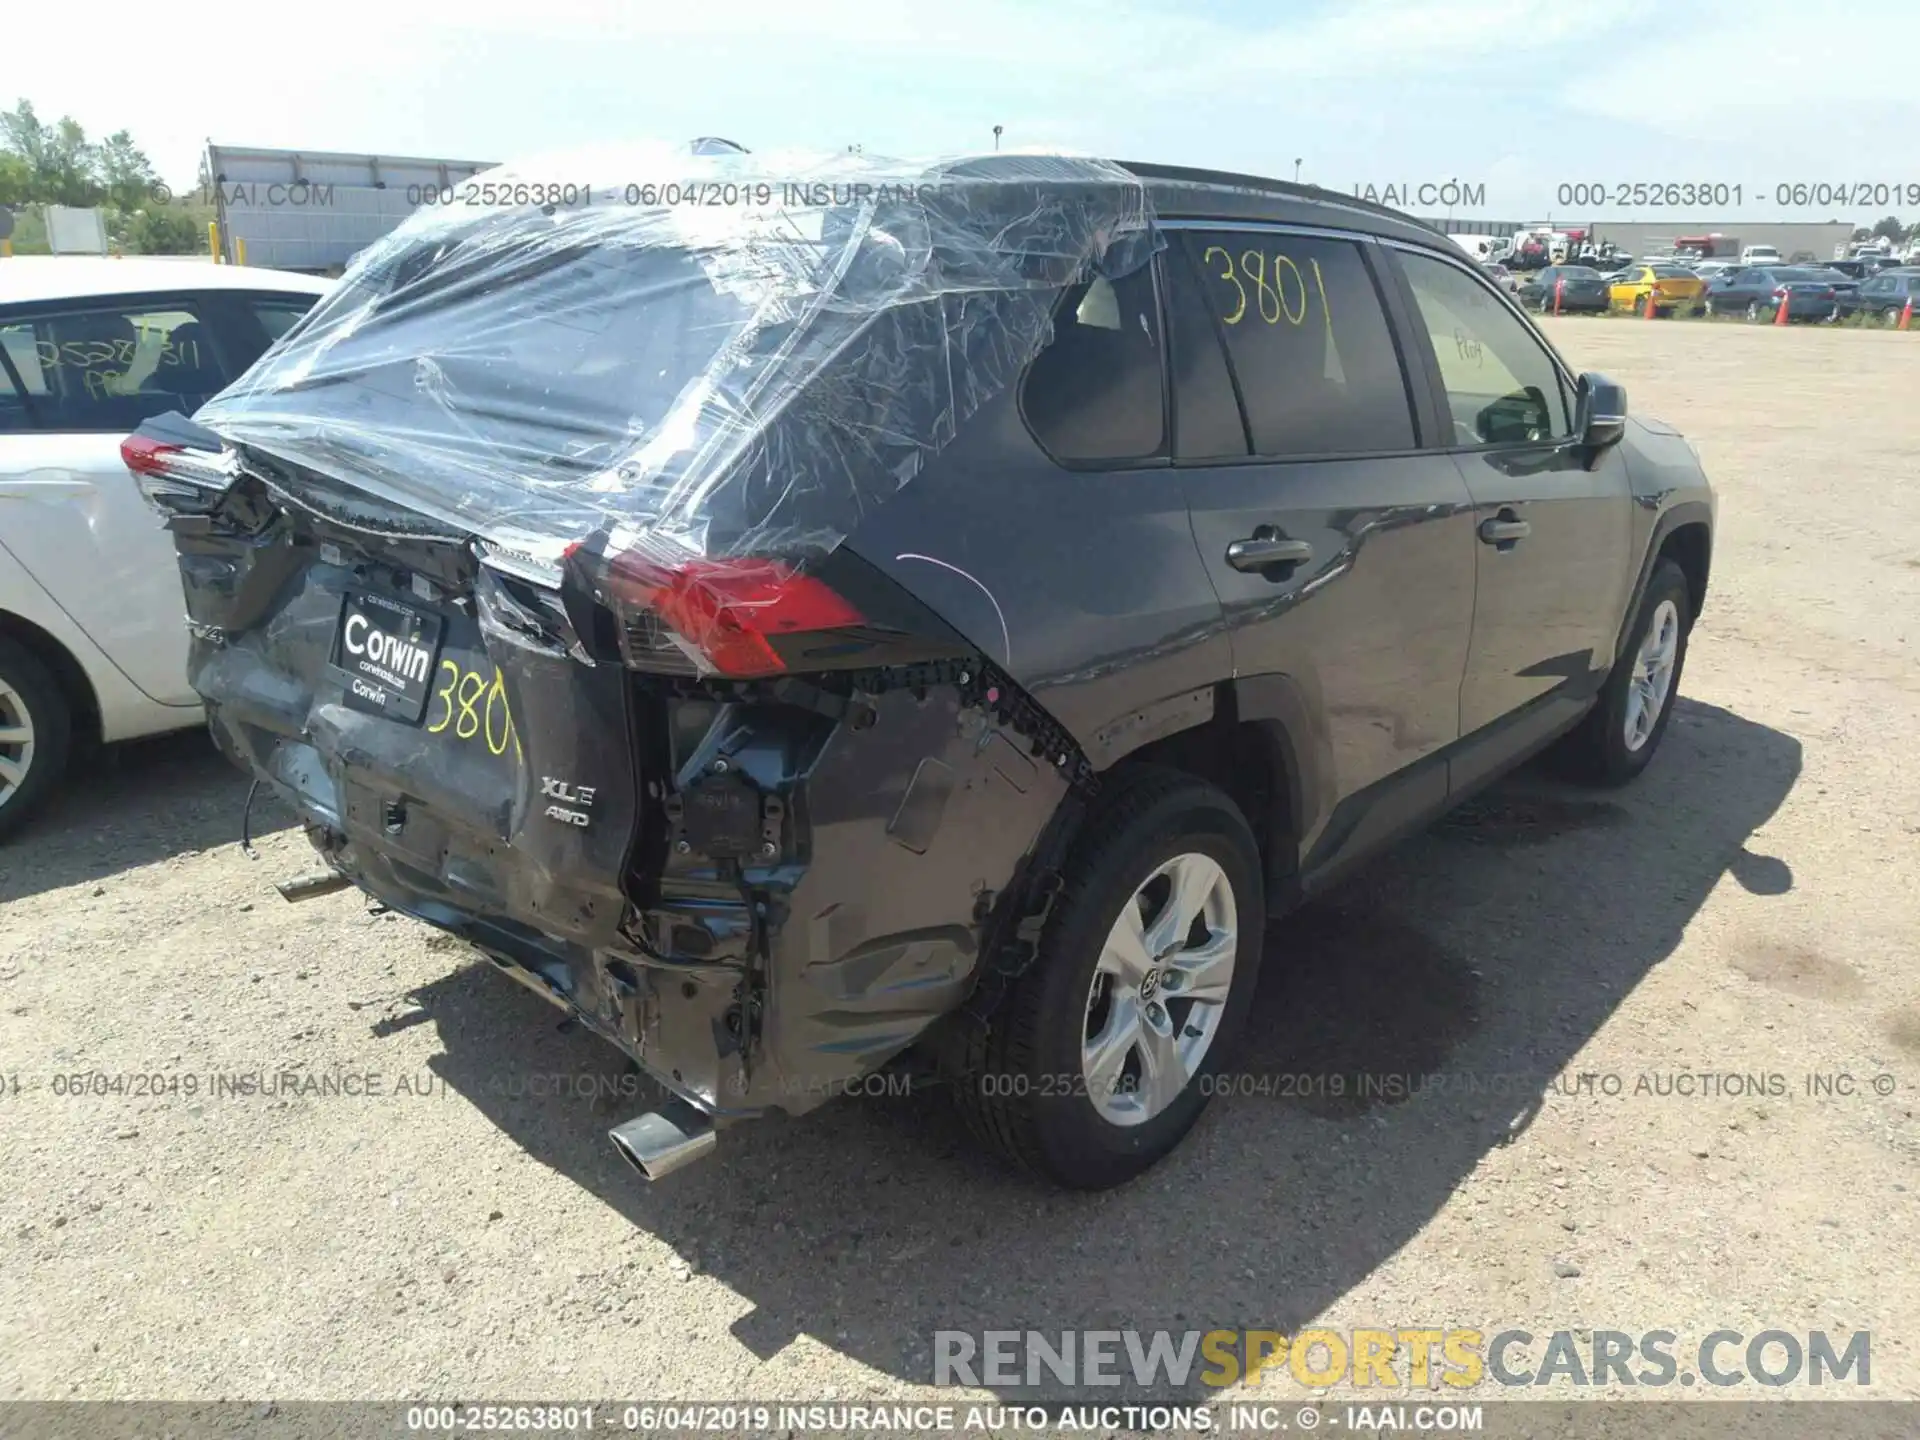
[630, 377]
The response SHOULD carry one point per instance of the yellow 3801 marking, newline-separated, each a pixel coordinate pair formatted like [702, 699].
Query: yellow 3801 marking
[461, 700]
[1270, 299]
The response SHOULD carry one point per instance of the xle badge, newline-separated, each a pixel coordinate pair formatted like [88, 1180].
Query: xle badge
[571, 802]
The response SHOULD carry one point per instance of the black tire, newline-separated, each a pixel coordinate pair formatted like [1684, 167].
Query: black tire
[26, 680]
[1596, 752]
[1021, 1086]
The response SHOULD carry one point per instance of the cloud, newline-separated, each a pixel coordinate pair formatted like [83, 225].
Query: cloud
[1504, 91]
[1759, 70]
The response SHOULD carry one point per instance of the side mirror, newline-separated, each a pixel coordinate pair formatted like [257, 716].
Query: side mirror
[1599, 411]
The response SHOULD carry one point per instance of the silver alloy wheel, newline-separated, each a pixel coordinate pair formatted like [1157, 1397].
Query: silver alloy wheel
[1652, 674]
[16, 742]
[1159, 989]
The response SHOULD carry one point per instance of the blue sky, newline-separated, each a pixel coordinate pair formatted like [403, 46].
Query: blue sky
[1515, 95]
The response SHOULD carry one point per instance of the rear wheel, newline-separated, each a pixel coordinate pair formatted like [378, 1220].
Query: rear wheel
[35, 732]
[1104, 1054]
[1617, 739]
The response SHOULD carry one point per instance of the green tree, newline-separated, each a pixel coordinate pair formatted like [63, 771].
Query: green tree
[159, 230]
[16, 180]
[55, 164]
[125, 172]
[1890, 227]
[60, 163]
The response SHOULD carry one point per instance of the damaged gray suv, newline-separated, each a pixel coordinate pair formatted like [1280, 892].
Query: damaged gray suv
[790, 615]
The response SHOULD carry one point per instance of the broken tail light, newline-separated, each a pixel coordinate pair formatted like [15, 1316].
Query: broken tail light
[739, 618]
[170, 472]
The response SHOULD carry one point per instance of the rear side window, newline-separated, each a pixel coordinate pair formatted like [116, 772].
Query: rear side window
[277, 315]
[1094, 393]
[1307, 339]
[1502, 385]
[20, 379]
[109, 368]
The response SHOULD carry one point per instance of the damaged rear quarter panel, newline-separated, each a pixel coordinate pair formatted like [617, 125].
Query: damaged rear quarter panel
[904, 828]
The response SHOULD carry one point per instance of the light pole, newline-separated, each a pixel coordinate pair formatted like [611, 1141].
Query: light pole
[1296, 172]
[996, 136]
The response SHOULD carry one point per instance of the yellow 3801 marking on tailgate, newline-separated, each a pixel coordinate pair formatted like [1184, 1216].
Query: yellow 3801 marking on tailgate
[461, 698]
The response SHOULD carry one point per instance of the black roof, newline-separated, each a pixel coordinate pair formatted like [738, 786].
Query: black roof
[1181, 193]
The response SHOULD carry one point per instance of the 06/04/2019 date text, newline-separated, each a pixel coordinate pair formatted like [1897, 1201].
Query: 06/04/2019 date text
[1721, 194]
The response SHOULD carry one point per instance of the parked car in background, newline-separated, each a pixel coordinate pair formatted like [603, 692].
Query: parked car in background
[1501, 275]
[1760, 255]
[93, 640]
[1844, 285]
[1579, 287]
[813, 733]
[1882, 297]
[1673, 287]
[1757, 292]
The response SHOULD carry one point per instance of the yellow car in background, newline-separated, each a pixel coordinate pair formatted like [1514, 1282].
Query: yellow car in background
[1673, 287]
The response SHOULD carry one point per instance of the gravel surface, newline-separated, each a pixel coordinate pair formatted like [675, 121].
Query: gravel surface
[458, 1225]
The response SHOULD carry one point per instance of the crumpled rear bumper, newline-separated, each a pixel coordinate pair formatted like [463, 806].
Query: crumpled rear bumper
[774, 890]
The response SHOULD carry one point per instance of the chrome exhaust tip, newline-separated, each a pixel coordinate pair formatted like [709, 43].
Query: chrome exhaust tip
[664, 1140]
[307, 887]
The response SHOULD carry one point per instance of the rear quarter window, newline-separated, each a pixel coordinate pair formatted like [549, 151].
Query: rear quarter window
[1094, 393]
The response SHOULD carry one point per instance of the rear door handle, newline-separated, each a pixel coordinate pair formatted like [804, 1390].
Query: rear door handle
[1504, 531]
[1258, 552]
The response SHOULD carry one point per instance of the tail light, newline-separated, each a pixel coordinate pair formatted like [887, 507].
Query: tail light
[738, 618]
[169, 472]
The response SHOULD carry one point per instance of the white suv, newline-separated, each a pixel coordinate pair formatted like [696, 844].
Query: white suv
[93, 641]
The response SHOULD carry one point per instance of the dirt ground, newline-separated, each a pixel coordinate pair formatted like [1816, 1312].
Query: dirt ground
[1750, 906]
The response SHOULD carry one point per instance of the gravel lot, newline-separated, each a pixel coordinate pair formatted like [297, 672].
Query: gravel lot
[1750, 906]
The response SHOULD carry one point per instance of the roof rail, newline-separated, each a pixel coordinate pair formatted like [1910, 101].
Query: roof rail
[1289, 189]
